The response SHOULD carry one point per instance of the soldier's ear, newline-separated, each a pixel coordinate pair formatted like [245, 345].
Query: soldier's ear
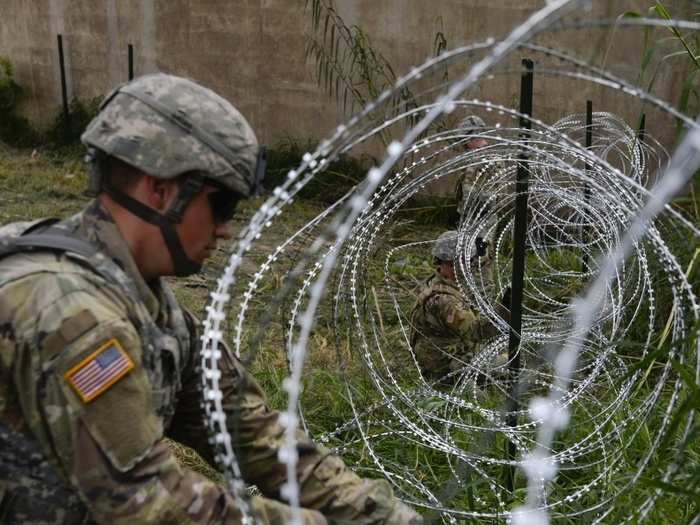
[159, 193]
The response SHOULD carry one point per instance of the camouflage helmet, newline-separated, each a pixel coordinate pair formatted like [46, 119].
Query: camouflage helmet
[166, 125]
[471, 125]
[445, 246]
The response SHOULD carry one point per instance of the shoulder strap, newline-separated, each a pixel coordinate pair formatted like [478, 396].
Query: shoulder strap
[40, 225]
[53, 240]
[43, 236]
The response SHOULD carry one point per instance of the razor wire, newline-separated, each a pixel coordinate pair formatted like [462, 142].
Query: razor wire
[597, 238]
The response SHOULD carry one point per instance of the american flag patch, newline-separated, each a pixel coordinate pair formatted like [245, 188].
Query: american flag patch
[100, 370]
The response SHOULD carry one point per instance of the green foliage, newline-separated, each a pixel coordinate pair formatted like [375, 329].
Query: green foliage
[343, 174]
[66, 129]
[14, 129]
[689, 101]
[690, 49]
[53, 182]
[431, 210]
[335, 181]
[689, 46]
[9, 90]
[347, 66]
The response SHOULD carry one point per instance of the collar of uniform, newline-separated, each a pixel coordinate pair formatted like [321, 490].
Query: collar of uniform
[439, 279]
[98, 227]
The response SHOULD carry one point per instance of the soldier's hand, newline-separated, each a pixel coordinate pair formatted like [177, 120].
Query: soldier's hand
[402, 514]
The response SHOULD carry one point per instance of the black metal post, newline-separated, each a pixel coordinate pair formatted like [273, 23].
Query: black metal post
[64, 89]
[586, 188]
[642, 131]
[519, 232]
[131, 62]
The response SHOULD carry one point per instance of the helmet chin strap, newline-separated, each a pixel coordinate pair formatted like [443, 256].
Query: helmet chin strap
[182, 264]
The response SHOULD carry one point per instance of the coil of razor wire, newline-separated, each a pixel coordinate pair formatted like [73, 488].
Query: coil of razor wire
[604, 249]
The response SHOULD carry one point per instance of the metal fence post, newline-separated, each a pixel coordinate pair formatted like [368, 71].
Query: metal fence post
[64, 89]
[519, 234]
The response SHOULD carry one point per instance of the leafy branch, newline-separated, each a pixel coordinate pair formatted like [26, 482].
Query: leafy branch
[347, 66]
[661, 10]
[689, 99]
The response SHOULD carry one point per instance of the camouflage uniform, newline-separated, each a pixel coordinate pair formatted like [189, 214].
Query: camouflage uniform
[77, 453]
[445, 332]
[470, 190]
[56, 312]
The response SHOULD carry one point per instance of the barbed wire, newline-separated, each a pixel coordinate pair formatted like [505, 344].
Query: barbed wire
[599, 359]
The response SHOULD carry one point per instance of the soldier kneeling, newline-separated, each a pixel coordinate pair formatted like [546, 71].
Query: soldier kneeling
[445, 332]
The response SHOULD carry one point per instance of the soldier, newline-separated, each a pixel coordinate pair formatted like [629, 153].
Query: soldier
[98, 362]
[475, 185]
[470, 127]
[445, 332]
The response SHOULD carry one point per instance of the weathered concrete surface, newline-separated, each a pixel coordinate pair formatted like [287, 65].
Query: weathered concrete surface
[252, 52]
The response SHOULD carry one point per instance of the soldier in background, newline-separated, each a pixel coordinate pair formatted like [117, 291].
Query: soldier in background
[479, 181]
[98, 362]
[470, 129]
[445, 331]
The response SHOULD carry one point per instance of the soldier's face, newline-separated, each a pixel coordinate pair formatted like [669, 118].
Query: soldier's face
[477, 142]
[199, 230]
[447, 270]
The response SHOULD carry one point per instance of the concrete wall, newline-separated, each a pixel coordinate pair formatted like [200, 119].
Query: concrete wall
[252, 52]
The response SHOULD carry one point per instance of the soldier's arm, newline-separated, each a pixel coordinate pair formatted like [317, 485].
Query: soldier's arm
[326, 484]
[99, 427]
[452, 314]
[464, 322]
[188, 425]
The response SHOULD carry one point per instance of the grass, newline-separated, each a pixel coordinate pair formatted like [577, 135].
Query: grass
[35, 184]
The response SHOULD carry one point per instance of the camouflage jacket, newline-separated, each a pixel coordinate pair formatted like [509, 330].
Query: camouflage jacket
[445, 332]
[97, 366]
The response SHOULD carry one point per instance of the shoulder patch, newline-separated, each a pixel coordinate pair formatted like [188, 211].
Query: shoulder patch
[99, 371]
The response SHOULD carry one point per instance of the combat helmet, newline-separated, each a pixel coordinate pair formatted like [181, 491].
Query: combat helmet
[445, 246]
[167, 126]
[471, 125]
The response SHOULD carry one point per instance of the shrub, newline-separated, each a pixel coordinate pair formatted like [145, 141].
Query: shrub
[14, 129]
[66, 131]
[328, 186]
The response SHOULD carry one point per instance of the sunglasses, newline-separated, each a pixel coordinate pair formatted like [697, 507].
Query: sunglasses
[223, 205]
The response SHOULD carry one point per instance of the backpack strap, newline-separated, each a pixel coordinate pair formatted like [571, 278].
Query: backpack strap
[41, 224]
[43, 236]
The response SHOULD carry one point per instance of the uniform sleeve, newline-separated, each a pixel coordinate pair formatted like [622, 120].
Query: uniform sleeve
[459, 320]
[109, 446]
[326, 483]
[454, 316]
[188, 425]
